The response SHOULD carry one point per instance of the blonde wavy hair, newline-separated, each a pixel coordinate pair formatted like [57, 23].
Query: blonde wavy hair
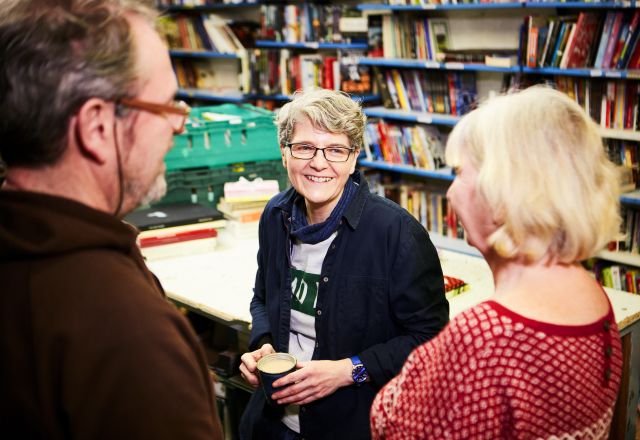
[544, 173]
[328, 110]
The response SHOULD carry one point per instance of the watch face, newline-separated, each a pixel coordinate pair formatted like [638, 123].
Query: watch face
[359, 374]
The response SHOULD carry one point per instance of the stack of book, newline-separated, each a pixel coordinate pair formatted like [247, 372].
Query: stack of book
[243, 203]
[454, 286]
[177, 229]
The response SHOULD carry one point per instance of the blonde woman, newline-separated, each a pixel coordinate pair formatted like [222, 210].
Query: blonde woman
[542, 358]
[347, 281]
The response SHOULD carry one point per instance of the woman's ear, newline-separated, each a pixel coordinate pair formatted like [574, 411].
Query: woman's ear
[94, 129]
[356, 153]
[283, 153]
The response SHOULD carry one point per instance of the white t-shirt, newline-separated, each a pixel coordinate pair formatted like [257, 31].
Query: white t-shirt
[306, 260]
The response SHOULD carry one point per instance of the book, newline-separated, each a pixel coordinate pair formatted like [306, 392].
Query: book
[565, 53]
[175, 214]
[604, 38]
[159, 239]
[400, 89]
[552, 37]
[585, 34]
[374, 36]
[534, 23]
[244, 190]
[612, 40]
[439, 37]
[354, 77]
[179, 248]
[381, 88]
[619, 45]
[563, 36]
[498, 60]
[630, 40]
[393, 93]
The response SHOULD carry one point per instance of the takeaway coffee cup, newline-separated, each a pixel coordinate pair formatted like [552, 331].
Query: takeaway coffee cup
[272, 367]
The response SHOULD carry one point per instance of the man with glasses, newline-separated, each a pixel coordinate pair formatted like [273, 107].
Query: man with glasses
[348, 282]
[90, 346]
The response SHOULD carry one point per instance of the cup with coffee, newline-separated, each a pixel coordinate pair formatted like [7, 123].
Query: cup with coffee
[271, 368]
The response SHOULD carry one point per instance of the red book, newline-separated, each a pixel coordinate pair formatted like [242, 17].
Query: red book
[583, 40]
[452, 92]
[328, 72]
[177, 237]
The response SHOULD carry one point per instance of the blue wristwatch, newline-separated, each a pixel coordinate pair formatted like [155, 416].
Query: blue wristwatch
[358, 373]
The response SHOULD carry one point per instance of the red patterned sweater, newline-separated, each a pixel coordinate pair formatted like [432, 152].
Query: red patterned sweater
[494, 374]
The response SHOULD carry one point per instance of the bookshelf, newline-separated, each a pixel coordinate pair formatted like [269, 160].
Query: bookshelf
[283, 46]
[473, 27]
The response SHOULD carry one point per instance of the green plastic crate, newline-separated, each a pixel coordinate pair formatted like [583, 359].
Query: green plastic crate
[206, 185]
[249, 135]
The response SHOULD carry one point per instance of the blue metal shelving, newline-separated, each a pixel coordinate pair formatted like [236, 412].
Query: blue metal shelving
[200, 54]
[412, 116]
[443, 174]
[590, 72]
[267, 44]
[427, 64]
[281, 97]
[508, 5]
[209, 7]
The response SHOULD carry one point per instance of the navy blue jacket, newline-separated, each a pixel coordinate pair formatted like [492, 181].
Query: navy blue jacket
[381, 295]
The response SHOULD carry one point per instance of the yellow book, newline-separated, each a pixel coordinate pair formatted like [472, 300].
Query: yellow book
[401, 90]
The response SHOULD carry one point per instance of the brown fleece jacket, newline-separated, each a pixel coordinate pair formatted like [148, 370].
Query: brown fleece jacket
[89, 346]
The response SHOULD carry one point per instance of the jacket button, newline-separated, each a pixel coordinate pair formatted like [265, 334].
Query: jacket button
[319, 312]
[333, 246]
[325, 279]
[606, 325]
[607, 373]
[303, 409]
[317, 344]
[607, 351]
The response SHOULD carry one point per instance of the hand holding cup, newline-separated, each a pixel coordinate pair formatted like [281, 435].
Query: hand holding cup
[249, 365]
[271, 368]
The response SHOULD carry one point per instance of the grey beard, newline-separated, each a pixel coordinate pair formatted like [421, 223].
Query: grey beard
[157, 190]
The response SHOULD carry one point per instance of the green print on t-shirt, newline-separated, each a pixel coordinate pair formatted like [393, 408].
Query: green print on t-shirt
[305, 291]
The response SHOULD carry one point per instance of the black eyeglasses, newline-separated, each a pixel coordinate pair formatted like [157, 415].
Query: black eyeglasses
[175, 113]
[332, 153]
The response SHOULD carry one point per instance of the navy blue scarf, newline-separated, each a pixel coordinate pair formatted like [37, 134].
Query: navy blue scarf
[312, 234]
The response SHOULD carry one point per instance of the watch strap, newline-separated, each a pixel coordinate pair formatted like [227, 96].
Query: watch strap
[358, 371]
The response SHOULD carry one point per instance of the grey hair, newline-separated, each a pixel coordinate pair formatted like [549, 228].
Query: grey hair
[57, 54]
[328, 110]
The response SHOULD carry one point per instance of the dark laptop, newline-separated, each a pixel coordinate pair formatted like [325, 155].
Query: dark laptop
[176, 214]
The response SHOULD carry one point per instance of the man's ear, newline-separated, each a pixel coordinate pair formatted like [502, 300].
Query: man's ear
[94, 129]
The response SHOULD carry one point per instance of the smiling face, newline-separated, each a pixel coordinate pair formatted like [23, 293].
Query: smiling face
[319, 181]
